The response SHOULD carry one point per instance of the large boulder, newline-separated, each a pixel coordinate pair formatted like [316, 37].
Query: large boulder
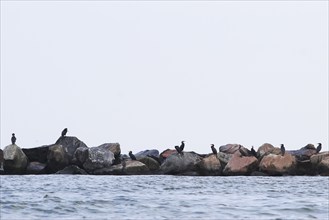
[151, 163]
[57, 158]
[15, 161]
[323, 167]
[117, 169]
[229, 148]
[238, 165]
[304, 153]
[278, 165]
[180, 163]
[37, 153]
[80, 156]
[1, 162]
[36, 167]
[72, 169]
[115, 149]
[98, 157]
[147, 153]
[165, 154]
[134, 167]
[224, 158]
[265, 149]
[70, 145]
[210, 166]
[317, 158]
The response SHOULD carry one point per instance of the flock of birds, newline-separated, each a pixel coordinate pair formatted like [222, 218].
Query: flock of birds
[180, 148]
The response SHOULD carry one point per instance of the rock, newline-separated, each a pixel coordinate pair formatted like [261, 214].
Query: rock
[258, 173]
[224, 158]
[304, 153]
[72, 169]
[317, 158]
[229, 148]
[134, 167]
[98, 157]
[277, 164]
[70, 145]
[180, 163]
[112, 170]
[265, 149]
[1, 162]
[165, 154]
[151, 163]
[80, 156]
[57, 158]
[36, 167]
[145, 153]
[210, 166]
[238, 165]
[115, 149]
[15, 161]
[305, 168]
[37, 153]
[323, 167]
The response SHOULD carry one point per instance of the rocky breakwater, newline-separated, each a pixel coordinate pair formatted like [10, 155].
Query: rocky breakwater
[69, 155]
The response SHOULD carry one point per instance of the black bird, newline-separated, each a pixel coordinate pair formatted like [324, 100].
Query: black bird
[213, 149]
[283, 150]
[64, 132]
[182, 146]
[318, 148]
[13, 139]
[253, 152]
[178, 149]
[132, 156]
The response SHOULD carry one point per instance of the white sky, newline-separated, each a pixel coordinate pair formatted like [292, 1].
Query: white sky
[150, 74]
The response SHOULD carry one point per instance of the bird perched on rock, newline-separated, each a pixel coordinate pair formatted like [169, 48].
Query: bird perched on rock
[64, 132]
[253, 152]
[132, 156]
[178, 149]
[13, 139]
[318, 148]
[283, 150]
[214, 151]
[182, 146]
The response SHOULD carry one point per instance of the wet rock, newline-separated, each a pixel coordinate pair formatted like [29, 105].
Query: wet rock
[323, 167]
[134, 167]
[258, 173]
[117, 169]
[37, 153]
[304, 168]
[151, 163]
[57, 158]
[72, 169]
[238, 165]
[180, 163]
[70, 144]
[98, 157]
[36, 167]
[210, 166]
[277, 164]
[15, 161]
[229, 148]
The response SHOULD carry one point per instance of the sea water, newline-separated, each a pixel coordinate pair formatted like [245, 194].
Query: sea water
[163, 197]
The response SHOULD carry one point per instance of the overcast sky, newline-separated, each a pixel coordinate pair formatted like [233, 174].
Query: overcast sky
[151, 74]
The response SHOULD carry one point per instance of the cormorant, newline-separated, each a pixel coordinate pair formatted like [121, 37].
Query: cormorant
[132, 156]
[253, 152]
[64, 132]
[182, 146]
[213, 149]
[283, 150]
[178, 149]
[13, 139]
[318, 148]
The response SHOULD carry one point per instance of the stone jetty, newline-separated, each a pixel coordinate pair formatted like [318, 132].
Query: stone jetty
[69, 155]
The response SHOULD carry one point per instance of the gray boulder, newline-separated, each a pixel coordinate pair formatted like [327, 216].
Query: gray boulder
[15, 161]
[304, 153]
[37, 153]
[180, 163]
[151, 163]
[115, 149]
[80, 156]
[72, 169]
[36, 167]
[57, 158]
[146, 153]
[224, 158]
[70, 144]
[1, 162]
[134, 167]
[98, 157]
[117, 169]
[229, 148]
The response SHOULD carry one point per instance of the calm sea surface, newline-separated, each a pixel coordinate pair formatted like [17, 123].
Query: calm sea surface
[163, 197]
